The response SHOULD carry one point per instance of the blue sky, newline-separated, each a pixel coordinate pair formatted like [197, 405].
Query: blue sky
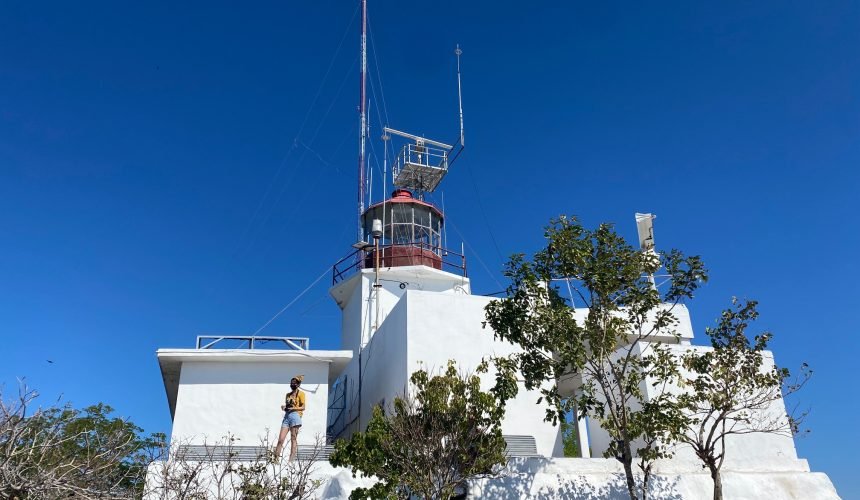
[174, 169]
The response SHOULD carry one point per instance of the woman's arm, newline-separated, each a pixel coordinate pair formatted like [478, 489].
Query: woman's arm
[299, 401]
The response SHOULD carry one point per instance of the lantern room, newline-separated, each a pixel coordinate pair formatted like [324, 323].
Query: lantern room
[411, 232]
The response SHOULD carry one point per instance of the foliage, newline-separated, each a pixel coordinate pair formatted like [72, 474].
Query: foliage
[614, 348]
[436, 437]
[215, 471]
[569, 438]
[63, 451]
[272, 480]
[731, 389]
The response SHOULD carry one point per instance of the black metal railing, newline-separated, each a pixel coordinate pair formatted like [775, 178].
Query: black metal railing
[447, 260]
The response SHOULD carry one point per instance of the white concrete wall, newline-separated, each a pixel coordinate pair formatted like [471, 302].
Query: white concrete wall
[351, 318]
[423, 331]
[433, 320]
[756, 451]
[683, 328]
[359, 300]
[386, 374]
[598, 439]
[746, 451]
[349, 421]
[590, 479]
[244, 398]
[443, 327]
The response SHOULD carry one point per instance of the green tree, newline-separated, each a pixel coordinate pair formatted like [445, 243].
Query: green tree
[614, 349]
[62, 451]
[569, 438]
[436, 437]
[730, 389]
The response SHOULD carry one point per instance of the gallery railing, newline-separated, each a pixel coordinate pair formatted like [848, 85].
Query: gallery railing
[415, 253]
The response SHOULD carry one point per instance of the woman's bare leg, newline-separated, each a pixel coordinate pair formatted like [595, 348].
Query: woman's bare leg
[294, 446]
[281, 438]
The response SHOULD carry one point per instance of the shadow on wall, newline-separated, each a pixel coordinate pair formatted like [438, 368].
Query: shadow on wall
[559, 485]
[253, 374]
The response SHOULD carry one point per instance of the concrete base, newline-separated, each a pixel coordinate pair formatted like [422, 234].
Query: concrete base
[587, 479]
[593, 479]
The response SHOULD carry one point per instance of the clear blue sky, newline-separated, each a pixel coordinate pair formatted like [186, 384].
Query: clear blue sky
[166, 171]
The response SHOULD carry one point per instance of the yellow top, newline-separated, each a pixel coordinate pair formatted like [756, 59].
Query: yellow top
[298, 402]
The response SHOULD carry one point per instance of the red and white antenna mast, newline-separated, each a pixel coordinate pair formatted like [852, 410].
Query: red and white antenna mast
[362, 111]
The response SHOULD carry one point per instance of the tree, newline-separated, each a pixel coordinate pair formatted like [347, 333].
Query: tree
[614, 348]
[570, 438]
[731, 390]
[61, 451]
[435, 438]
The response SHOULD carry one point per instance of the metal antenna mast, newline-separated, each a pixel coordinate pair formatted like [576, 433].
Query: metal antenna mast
[362, 111]
[460, 95]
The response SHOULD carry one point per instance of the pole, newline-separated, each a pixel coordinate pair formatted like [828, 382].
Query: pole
[460, 96]
[376, 285]
[362, 111]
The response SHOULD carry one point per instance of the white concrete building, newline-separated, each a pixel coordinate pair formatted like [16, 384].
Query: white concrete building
[408, 305]
[215, 393]
[426, 317]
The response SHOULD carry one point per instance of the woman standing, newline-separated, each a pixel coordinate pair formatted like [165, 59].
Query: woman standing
[294, 406]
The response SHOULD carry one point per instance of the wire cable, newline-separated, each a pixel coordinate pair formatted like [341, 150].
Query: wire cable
[378, 73]
[297, 139]
[306, 290]
[327, 71]
[477, 256]
[304, 152]
[379, 114]
[484, 214]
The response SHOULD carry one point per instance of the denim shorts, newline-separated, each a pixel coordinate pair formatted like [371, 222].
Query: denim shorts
[292, 419]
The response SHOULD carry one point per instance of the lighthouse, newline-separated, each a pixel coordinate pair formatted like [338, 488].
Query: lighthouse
[406, 300]
[406, 303]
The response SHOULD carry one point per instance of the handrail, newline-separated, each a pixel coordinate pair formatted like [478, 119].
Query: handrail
[421, 155]
[340, 273]
[293, 343]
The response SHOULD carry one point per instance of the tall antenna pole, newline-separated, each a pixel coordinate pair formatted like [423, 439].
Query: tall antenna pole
[460, 95]
[362, 111]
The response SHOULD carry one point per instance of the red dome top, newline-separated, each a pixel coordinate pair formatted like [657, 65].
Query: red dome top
[404, 196]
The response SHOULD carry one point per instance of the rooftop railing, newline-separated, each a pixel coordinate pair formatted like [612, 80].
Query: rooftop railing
[420, 167]
[251, 342]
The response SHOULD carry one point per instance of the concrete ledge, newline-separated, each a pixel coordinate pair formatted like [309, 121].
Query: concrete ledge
[570, 481]
[593, 479]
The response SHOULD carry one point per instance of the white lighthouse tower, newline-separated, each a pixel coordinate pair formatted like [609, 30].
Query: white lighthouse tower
[407, 304]
[406, 299]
